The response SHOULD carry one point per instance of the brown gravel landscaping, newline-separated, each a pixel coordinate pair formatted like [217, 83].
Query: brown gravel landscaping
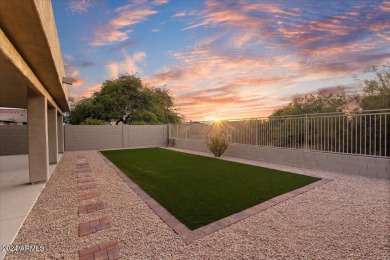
[346, 218]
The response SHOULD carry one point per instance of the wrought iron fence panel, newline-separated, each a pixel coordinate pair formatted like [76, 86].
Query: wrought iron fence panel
[362, 133]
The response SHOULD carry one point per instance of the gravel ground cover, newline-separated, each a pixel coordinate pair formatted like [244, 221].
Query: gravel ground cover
[347, 218]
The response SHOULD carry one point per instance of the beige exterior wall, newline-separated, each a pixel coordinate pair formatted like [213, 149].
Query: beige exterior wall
[31, 72]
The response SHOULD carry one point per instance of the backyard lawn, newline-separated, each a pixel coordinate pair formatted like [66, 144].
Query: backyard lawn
[199, 190]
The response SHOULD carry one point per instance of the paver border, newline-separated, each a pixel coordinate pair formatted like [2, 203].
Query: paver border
[188, 235]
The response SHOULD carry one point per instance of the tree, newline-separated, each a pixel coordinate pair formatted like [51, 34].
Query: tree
[91, 121]
[375, 95]
[322, 101]
[86, 108]
[376, 91]
[127, 100]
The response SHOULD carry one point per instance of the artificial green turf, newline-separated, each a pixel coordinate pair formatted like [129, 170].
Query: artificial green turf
[199, 190]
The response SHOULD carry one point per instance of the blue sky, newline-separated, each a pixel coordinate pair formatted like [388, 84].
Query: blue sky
[223, 59]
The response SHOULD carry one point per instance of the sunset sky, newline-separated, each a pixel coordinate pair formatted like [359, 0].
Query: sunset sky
[223, 59]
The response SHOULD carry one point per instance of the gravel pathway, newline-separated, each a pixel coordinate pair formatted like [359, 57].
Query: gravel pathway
[347, 218]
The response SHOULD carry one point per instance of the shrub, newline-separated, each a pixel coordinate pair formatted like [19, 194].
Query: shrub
[138, 122]
[217, 142]
[92, 121]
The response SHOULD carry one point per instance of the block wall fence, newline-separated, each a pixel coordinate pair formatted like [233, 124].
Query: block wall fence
[14, 140]
[341, 163]
[97, 137]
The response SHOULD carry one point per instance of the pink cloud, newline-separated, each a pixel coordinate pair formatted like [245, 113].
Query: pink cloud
[130, 64]
[160, 2]
[385, 7]
[180, 14]
[73, 73]
[117, 29]
[269, 8]
[89, 91]
[78, 82]
[203, 79]
[79, 6]
[180, 88]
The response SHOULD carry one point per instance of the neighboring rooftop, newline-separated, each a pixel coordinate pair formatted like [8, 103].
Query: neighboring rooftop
[13, 115]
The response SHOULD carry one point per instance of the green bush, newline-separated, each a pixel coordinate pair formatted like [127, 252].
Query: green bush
[92, 121]
[217, 142]
[138, 122]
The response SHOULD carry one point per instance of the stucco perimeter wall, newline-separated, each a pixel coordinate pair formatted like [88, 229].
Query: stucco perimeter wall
[348, 164]
[13, 139]
[97, 137]
[144, 135]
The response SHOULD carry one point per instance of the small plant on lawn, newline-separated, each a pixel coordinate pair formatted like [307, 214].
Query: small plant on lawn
[217, 142]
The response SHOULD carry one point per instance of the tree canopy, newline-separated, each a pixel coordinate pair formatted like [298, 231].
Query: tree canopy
[375, 94]
[126, 99]
[319, 102]
[376, 91]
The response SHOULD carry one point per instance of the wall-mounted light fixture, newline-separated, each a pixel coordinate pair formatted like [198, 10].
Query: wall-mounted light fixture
[67, 80]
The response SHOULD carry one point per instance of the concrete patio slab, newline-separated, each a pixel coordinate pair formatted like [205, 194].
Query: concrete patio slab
[17, 196]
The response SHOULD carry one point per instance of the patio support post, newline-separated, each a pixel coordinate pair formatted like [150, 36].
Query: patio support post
[38, 157]
[60, 133]
[52, 131]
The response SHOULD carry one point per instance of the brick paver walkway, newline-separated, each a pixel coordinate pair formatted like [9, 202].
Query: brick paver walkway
[85, 179]
[88, 195]
[92, 207]
[86, 186]
[93, 226]
[105, 250]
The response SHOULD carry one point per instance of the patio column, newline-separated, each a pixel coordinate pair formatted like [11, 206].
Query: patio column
[38, 157]
[52, 130]
[60, 129]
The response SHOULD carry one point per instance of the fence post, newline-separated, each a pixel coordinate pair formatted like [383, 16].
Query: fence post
[177, 131]
[123, 138]
[306, 133]
[257, 132]
[186, 131]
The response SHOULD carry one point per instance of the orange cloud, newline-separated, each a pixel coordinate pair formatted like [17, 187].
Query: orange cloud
[89, 91]
[117, 29]
[385, 7]
[180, 88]
[72, 72]
[78, 82]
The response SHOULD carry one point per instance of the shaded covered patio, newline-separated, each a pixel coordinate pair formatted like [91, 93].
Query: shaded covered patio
[16, 190]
